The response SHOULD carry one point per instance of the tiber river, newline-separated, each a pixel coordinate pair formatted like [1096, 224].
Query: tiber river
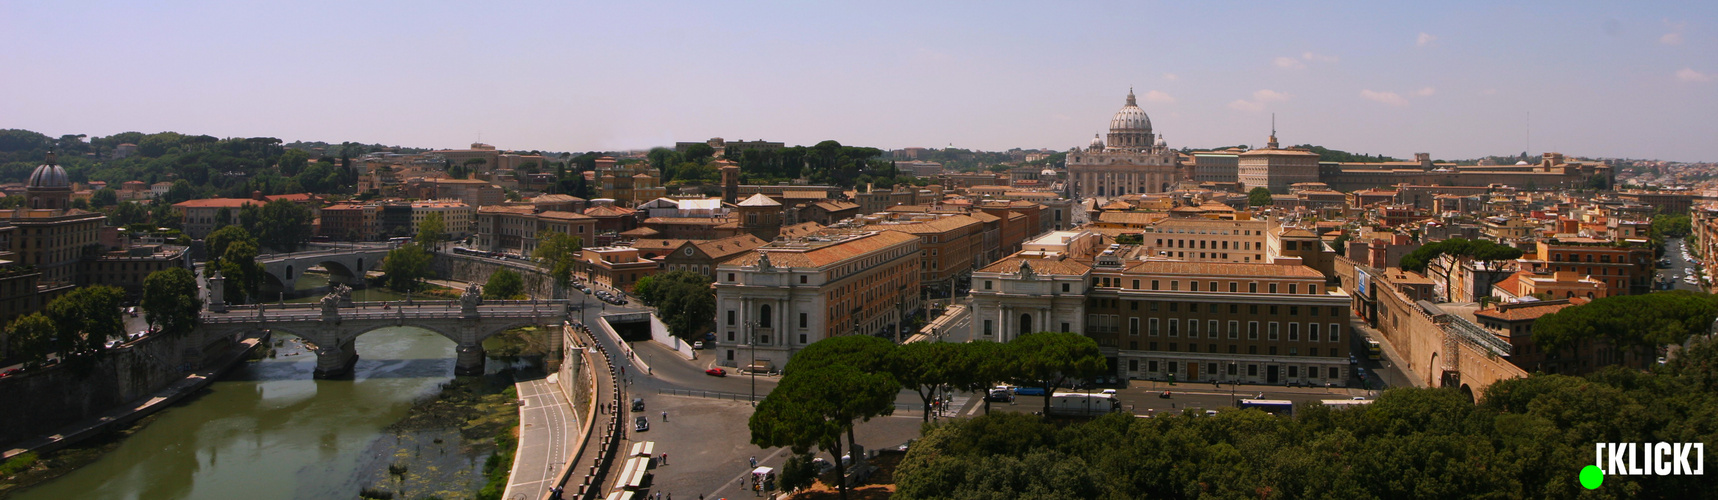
[270, 431]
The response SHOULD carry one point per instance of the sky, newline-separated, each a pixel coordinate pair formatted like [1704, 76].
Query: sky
[1453, 78]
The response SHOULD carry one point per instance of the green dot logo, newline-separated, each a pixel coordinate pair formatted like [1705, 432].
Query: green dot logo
[1592, 476]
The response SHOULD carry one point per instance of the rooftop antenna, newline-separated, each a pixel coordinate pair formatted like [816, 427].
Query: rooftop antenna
[1529, 150]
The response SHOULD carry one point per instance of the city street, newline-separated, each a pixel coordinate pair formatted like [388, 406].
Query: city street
[1679, 267]
[546, 427]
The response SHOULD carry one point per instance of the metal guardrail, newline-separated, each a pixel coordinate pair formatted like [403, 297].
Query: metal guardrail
[514, 309]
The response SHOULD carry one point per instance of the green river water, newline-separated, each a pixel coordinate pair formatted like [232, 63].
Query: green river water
[270, 431]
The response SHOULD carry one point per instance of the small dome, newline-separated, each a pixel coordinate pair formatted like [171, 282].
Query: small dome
[49, 175]
[1522, 162]
[1097, 143]
[1048, 172]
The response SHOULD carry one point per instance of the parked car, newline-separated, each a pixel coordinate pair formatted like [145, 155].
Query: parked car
[698, 345]
[641, 424]
[1027, 390]
[637, 404]
[11, 372]
[716, 372]
[999, 396]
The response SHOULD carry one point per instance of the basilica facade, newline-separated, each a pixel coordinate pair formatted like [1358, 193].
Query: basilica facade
[1133, 160]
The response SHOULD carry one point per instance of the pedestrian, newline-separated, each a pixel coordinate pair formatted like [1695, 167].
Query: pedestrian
[754, 461]
[665, 458]
[664, 416]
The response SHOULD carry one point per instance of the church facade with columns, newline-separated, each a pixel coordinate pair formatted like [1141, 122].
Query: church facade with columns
[1132, 160]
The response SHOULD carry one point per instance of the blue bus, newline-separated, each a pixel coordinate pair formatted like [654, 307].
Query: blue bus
[1281, 407]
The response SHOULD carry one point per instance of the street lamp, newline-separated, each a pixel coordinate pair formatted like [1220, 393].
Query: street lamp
[752, 342]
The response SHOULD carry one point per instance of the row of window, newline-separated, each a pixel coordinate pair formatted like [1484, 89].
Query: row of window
[1194, 285]
[1175, 327]
[1214, 245]
[1232, 369]
[1193, 307]
[1193, 347]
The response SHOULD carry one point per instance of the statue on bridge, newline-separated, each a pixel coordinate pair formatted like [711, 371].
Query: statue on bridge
[469, 301]
[338, 295]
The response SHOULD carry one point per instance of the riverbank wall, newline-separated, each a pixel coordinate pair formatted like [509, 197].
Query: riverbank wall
[473, 269]
[128, 383]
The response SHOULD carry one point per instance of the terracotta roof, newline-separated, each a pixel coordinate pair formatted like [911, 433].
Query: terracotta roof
[804, 195]
[726, 247]
[836, 205]
[557, 214]
[1222, 269]
[825, 255]
[609, 211]
[1520, 312]
[709, 221]
[217, 203]
[759, 200]
[940, 225]
[1129, 217]
[287, 197]
[640, 232]
[1281, 152]
[800, 229]
[657, 243]
[985, 217]
[556, 198]
[1011, 265]
[510, 209]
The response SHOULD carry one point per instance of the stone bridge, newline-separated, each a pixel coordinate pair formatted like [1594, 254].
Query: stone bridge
[333, 325]
[345, 265]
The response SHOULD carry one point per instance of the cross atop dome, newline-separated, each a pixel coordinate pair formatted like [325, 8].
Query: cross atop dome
[1130, 100]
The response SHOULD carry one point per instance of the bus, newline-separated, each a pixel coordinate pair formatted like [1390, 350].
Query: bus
[1372, 350]
[1280, 407]
[1345, 403]
[1078, 404]
[398, 242]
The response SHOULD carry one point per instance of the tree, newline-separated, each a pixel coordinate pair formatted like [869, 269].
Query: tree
[815, 407]
[216, 243]
[1458, 249]
[558, 254]
[924, 368]
[504, 285]
[978, 366]
[1054, 359]
[280, 224]
[238, 264]
[223, 217]
[1638, 322]
[106, 197]
[685, 301]
[864, 352]
[799, 472]
[1258, 197]
[31, 337]
[170, 301]
[85, 318]
[432, 230]
[405, 266]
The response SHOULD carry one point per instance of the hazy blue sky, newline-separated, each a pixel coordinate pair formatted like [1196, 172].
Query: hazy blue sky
[1457, 79]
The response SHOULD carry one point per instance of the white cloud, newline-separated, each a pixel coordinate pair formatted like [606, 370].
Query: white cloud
[1425, 92]
[1157, 96]
[1318, 57]
[1245, 105]
[1171, 77]
[1259, 99]
[1425, 39]
[1390, 98]
[1268, 95]
[1690, 75]
[1288, 63]
[1674, 37]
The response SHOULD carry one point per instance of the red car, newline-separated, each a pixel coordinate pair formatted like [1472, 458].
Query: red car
[716, 372]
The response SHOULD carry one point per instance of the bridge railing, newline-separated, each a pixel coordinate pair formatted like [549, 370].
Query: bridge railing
[374, 310]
